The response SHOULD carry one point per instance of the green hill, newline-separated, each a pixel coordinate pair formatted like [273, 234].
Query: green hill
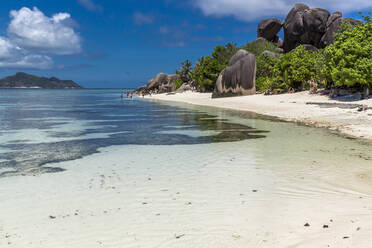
[24, 80]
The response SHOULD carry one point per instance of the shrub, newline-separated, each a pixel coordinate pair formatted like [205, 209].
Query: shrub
[185, 71]
[207, 69]
[178, 83]
[295, 68]
[257, 47]
[349, 58]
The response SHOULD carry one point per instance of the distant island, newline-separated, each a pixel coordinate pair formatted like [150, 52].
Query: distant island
[24, 80]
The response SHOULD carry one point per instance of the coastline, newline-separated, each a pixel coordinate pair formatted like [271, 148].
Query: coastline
[302, 108]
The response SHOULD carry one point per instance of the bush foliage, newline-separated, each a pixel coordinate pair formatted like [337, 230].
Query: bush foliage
[350, 57]
[178, 83]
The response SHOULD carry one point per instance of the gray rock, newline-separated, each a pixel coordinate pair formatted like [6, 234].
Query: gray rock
[315, 20]
[294, 26]
[333, 26]
[166, 88]
[307, 47]
[237, 56]
[163, 83]
[314, 27]
[328, 37]
[279, 42]
[183, 88]
[260, 39]
[239, 78]
[310, 47]
[268, 28]
[271, 54]
[335, 15]
[304, 26]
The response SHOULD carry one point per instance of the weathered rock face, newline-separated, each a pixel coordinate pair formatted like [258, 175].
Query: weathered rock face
[184, 87]
[271, 54]
[279, 42]
[314, 27]
[239, 78]
[333, 24]
[162, 83]
[335, 15]
[304, 26]
[268, 29]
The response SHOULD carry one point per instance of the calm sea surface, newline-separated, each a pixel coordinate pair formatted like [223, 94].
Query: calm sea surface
[39, 127]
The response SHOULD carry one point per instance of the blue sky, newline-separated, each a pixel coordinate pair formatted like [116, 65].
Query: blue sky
[116, 44]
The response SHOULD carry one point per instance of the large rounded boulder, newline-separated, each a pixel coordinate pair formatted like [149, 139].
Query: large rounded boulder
[269, 28]
[315, 25]
[162, 83]
[304, 26]
[333, 24]
[294, 26]
[239, 78]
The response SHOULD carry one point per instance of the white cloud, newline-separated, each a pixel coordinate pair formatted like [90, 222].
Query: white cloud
[7, 49]
[32, 30]
[33, 61]
[140, 18]
[249, 10]
[12, 56]
[90, 5]
[32, 37]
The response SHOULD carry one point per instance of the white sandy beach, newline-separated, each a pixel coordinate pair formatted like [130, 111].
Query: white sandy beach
[118, 198]
[290, 107]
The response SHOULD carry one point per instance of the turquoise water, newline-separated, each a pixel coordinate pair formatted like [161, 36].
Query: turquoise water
[38, 127]
[140, 173]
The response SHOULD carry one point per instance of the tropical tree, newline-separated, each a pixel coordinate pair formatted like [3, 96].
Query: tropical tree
[207, 69]
[349, 58]
[185, 71]
[205, 73]
[297, 67]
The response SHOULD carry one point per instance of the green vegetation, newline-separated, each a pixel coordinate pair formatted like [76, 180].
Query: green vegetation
[350, 57]
[178, 83]
[24, 80]
[185, 71]
[347, 62]
[207, 69]
[295, 68]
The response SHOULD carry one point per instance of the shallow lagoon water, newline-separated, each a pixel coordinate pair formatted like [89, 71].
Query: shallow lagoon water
[38, 127]
[142, 173]
[44, 126]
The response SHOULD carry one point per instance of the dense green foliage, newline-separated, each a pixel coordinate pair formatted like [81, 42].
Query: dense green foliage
[178, 83]
[185, 71]
[205, 73]
[295, 68]
[257, 47]
[207, 69]
[347, 62]
[350, 57]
